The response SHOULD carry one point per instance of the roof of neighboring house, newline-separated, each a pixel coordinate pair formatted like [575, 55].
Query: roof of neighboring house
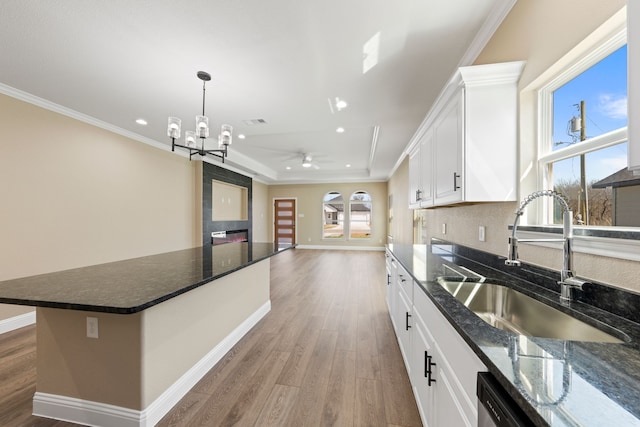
[623, 178]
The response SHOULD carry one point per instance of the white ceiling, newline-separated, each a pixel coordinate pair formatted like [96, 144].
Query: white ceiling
[278, 60]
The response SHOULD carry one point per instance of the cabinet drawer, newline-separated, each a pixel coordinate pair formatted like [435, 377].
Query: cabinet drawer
[405, 283]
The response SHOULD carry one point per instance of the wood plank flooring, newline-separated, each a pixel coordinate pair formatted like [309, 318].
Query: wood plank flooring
[326, 355]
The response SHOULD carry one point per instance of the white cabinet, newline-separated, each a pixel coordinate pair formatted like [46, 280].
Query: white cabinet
[403, 313]
[447, 152]
[415, 178]
[468, 142]
[420, 186]
[444, 368]
[441, 366]
[390, 268]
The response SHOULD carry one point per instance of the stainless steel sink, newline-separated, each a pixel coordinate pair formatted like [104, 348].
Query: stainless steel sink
[507, 309]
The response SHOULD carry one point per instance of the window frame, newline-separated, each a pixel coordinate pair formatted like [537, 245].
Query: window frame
[546, 155]
[351, 201]
[344, 206]
[612, 241]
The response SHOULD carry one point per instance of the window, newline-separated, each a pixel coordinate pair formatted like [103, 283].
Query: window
[333, 216]
[583, 144]
[360, 215]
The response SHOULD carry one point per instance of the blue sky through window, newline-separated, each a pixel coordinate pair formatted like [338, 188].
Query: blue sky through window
[603, 87]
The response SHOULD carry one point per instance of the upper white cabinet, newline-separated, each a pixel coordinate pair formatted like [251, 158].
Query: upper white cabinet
[420, 184]
[467, 144]
[633, 85]
[448, 130]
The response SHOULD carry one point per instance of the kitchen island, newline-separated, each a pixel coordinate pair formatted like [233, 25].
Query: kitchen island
[119, 344]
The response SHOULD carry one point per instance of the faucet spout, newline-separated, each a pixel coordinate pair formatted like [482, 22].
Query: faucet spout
[568, 281]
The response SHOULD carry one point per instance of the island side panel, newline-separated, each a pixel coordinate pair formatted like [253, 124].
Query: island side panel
[106, 369]
[180, 332]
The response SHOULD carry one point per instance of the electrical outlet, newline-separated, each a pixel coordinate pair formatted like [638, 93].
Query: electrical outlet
[481, 233]
[444, 228]
[92, 327]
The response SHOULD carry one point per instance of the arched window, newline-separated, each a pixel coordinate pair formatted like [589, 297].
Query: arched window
[333, 216]
[360, 215]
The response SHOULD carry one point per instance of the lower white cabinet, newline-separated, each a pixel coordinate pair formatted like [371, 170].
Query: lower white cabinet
[402, 314]
[444, 368]
[441, 366]
[391, 268]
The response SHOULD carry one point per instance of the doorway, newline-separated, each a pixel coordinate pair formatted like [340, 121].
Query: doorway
[284, 224]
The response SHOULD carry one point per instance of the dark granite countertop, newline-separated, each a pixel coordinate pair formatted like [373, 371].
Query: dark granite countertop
[557, 383]
[132, 285]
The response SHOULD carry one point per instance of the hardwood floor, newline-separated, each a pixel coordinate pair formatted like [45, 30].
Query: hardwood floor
[326, 355]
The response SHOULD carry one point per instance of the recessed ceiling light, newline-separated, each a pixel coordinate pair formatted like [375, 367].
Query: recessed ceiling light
[141, 122]
[288, 168]
[340, 129]
[348, 165]
[340, 104]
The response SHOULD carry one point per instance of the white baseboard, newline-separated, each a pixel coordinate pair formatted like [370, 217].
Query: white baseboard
[342, 248]
[17, 322]
[104, 415]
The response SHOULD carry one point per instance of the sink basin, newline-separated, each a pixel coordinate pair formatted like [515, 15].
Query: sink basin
[507, 309]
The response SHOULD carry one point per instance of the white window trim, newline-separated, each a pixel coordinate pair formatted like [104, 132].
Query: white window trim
[613, 247]
[616, 242]
[597, 50]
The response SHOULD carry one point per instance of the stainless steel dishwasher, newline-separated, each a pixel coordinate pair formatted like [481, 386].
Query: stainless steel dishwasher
[495, 407]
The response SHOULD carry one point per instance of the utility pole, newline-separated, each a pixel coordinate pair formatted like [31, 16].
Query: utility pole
[584, 199]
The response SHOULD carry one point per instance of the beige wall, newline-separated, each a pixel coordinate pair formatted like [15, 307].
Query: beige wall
[309, 205]
[261, 207]
[540, 32]
[74, 195]
[138, 356]
[229, 202]
[401, 222]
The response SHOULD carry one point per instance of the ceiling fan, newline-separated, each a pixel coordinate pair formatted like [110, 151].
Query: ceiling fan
[308, 161]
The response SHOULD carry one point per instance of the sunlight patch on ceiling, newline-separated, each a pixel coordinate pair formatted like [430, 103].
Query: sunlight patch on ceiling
[370, 52]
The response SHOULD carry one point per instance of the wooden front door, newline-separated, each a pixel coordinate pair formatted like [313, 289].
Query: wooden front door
[284, 224]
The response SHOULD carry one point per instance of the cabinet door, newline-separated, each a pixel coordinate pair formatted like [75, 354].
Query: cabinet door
[389, 280]
[415, 182]
[423, 389]
[403, 326]
[447, 406]
[426, 169]
[392, 292]
[448, 139]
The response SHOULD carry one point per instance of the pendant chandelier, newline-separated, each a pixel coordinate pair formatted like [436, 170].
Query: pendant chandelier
[201, 132]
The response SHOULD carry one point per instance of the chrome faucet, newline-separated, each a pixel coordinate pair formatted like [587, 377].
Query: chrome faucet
[568, 281]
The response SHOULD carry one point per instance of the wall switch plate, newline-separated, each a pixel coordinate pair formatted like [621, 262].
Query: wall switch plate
[444, 228]
[481, 233]
[92, 327]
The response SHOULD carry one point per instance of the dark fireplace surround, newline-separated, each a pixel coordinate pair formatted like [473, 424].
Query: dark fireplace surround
[212, 172]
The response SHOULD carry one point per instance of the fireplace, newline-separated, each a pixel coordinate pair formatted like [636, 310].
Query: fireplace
[221, 237]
